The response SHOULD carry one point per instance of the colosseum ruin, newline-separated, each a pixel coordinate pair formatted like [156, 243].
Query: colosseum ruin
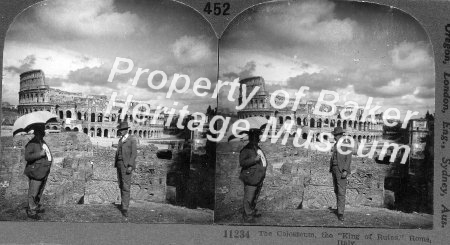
[80, 112]
[303, 117]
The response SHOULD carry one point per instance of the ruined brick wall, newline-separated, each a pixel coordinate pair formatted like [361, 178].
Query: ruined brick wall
[296, 178]
[148, 182]
[71, 154]
[80, 174]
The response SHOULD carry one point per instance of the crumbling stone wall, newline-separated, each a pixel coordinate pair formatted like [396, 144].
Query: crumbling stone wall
[71, 156]
[295, 178]
[81, 174]
[148, 182]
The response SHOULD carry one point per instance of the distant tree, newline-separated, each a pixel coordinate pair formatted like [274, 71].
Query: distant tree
[429, 116]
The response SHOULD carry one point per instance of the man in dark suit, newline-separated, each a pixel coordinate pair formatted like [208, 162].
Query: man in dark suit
[254, 164]
[340, 168]
[125, 162]
[39, 160]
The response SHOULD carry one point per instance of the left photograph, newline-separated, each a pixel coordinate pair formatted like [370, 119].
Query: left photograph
[100, 120]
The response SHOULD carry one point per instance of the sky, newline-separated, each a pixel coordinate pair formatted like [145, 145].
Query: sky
[358, 50]
[76, 43]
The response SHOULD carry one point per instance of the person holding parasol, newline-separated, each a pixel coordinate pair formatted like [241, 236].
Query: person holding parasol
[38, 157]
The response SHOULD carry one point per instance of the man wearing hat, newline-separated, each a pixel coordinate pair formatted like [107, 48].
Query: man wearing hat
[254, 164]
[340, 168]
[39, 161]
[125, 163]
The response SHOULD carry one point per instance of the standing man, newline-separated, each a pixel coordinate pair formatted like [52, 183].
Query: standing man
[39, 161]
[254, 164]
[340, 168]
[125, 163]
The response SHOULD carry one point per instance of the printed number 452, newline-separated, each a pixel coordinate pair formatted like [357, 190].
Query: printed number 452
[217, 8]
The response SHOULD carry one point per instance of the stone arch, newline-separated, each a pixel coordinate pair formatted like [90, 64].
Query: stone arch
[332, 123]
[67, 129]
[140, 133]
[92, 117]
[85, 116]
[79, 115]
[68, 114]
[113, 117]
[355, 124]
[76, 129]
[350, 124]
[135, 132]
[105, 133]
[312, 122]
[319, 123]
[99, 132]
[85, 130]
[365, 126]
[145, 134]
[129, 132]
[287, 118]
[344, 124]
[359, 126]
[47, 127]
[339, 123]
[280, 120]
[151, 134]
[92, 132]
[61, 114]
[305, 121]
[100, 117]
[267, 117]
[299, 121]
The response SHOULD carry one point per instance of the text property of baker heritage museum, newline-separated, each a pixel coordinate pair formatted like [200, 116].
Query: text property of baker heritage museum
[202, 86]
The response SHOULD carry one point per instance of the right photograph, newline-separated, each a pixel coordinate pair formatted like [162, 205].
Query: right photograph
[332, 124]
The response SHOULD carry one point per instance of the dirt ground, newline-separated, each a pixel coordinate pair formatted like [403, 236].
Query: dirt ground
[148, 212]
[354, 217]
[143, 212]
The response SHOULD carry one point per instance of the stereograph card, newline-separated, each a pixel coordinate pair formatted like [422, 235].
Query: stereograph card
[224, 122]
